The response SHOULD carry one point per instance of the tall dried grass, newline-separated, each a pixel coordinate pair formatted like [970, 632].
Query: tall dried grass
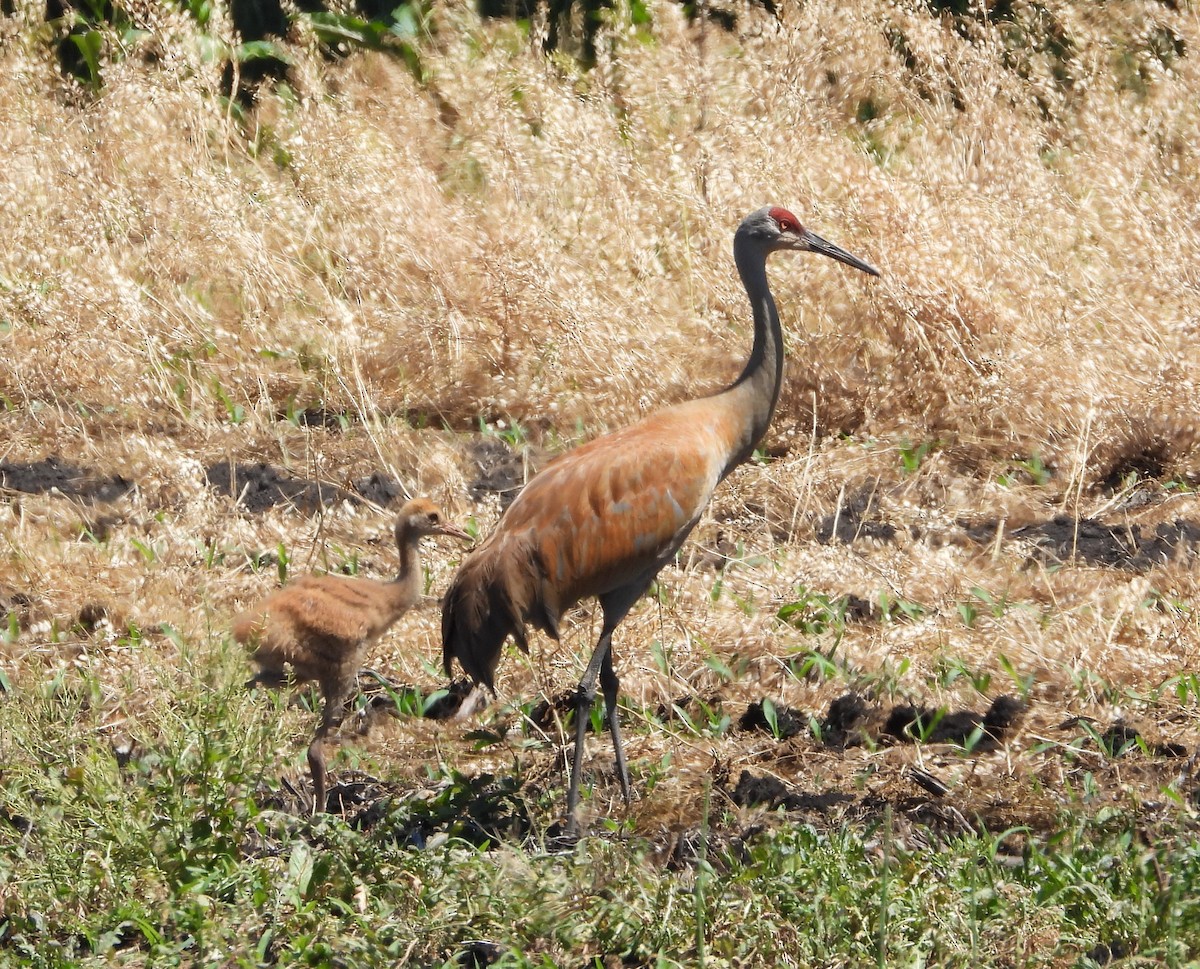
[543, 246]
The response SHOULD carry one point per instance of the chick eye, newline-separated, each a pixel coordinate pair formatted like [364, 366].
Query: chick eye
[433, 518]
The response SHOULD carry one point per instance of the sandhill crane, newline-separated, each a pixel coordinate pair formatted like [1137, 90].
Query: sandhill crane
[320, 626]
[603, 519]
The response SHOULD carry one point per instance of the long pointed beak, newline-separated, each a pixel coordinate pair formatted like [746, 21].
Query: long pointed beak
[827, 248]
[449, 528]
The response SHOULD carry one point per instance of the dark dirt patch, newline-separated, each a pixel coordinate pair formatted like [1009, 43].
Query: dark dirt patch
[858, 609]
[858, 517]
[18, 821]
[1147, 463]
[480, 952]
[333, 420]
[782, 723]
[715, 555]
[561, 706]
[919, 815]
[486, 810]
[1121, 738]
[48, 474]
[357, 793]
[379, 488]
[91, 614]
[1096, 543]
[935, 813]
[1063, 539]
[1143, 497]
[689, 705]
[19, 604]
[1108, 952]
[979, 532]
[852, 720]
[937, 726]
[500, 470]
[258, 487]
[846, 721]
[100, 528]
[772, 792]
[483, 810]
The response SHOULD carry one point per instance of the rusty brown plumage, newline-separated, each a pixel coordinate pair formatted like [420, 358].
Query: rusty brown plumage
[603, 519]
[613, 508]
[320, 626]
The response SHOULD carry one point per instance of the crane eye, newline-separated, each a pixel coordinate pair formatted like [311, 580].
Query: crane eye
[433, 518]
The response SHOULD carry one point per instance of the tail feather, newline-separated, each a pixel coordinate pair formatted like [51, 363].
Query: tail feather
[496, 592]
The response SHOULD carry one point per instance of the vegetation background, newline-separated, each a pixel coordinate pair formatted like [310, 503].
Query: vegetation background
[254, 289]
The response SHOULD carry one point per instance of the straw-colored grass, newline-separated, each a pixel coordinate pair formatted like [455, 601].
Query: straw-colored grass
[515, 250]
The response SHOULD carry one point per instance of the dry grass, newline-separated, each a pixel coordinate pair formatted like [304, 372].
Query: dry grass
[553, 255]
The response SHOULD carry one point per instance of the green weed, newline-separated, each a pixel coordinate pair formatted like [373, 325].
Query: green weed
[814, 613]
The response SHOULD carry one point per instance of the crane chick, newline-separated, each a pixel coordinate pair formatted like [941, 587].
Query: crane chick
[320, 626]
[603, 519]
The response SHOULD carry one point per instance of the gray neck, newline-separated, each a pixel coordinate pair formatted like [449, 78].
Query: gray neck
[756, 391]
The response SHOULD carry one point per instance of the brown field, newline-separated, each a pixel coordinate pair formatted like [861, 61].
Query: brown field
[393, 288]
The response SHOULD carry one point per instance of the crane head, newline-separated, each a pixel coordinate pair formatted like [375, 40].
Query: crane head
[421, 517]
[776, 228]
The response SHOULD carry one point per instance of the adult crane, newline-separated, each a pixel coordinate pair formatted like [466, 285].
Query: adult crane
[603, 519]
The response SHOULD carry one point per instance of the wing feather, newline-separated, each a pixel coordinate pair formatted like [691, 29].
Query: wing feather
[605, 516]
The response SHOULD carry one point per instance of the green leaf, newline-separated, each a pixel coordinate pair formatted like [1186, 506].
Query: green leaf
[433, 698]
[720, 667]
[300, 869]
[147, 550]
[90, 43]
[771, 715]
[258, 50]
[482, 739]
[201, 10]
[683, 716]
[404, 22]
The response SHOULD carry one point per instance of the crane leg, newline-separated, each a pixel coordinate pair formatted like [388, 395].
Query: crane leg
[336, 694]
[611, 684]
[615, 605]
[316, 767]
[601, 666]
[584, 697]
